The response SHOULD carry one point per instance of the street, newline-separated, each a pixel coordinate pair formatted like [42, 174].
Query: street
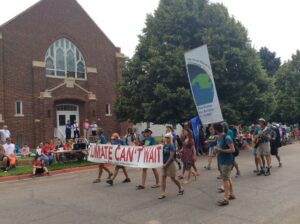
[73, 198]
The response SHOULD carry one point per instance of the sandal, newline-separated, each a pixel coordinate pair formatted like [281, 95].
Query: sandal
[162, 197]
[110, 175]
[223, 202]
[155, 186]
[231, 197]
[97, 181]
[180, 192]
[140, 187]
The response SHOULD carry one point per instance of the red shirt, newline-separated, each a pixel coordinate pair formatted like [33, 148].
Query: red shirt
[46, 150]
[38, 163]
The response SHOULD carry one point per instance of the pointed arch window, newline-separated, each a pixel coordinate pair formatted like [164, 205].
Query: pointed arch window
[64, 59]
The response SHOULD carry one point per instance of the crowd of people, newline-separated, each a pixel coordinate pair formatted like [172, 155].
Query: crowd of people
[179, 152]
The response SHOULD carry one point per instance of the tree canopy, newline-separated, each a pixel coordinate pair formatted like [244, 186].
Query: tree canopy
[155, 86]
[269, 61]
[287, 83]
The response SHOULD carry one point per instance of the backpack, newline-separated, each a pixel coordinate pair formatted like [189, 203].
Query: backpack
[235, 143]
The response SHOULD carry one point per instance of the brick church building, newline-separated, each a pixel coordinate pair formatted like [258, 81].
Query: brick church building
[56, 65]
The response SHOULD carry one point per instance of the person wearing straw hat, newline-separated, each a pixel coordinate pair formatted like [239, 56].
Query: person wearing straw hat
[169, 168]
[116, 140]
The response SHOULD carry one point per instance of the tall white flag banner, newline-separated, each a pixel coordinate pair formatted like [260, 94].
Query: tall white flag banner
[202, 85]
[131, 156]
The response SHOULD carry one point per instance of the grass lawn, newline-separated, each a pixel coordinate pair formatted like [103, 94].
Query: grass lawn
[28, 169]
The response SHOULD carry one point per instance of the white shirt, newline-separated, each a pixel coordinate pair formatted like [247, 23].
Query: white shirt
[9, 149]
[76, 127]
[6, 133]
[94, 127]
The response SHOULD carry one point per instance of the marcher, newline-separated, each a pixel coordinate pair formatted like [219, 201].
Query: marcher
[210, 144]
[148, 141]
[263, 147]
[169, 168]
[116, 140]
[275, 143]
[225, 149]
[188, 154]
[130, 137]
[102, 140]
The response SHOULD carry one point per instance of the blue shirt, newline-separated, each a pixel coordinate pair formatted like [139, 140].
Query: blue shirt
[167, 149]
[102, 139]
[223, 143]
[149, 141]
[68, 128]
[118, 142]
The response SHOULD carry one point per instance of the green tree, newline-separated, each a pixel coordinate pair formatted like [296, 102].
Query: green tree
[287, 83]
[155, 87]
[269, 61]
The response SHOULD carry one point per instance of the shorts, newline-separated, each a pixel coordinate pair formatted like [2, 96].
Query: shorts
[254, 152]
[39, 170]
[119, 167]
[264, 149]
[225, 171]
[211, 152]
[170, 171]
[187, 165]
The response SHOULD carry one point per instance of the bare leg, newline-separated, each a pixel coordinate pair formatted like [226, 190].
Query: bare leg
[177, 183]
[155, 172]
[163, 185]
[34, 171]
[195, 168]
[210, 158]
[144, 176]
[125, 172]
[263, 161]
[256, 163]
[115, 173]
[187, 176]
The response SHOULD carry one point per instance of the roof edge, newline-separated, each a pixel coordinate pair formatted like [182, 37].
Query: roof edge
[20, 14]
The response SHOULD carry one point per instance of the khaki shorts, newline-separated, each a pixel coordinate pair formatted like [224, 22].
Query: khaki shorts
[264, 149]
[170, 171]
[225, 172]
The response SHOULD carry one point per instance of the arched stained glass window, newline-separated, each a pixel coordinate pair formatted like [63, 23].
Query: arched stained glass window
[64, 59]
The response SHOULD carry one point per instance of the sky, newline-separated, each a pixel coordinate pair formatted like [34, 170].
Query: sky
[270, 23]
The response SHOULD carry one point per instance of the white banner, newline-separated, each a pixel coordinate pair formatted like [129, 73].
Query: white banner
[202, 85]
[131, 156]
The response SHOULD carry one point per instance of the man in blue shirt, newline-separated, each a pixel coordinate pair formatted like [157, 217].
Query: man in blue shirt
[148, 140]
[225, 148]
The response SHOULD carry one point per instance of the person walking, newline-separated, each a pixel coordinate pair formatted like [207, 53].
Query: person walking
[148, 141]
[211, 143]
[275, 143]
[169, 168]
[116, 140]
[188, 154]
[102, 140]
[225, 149]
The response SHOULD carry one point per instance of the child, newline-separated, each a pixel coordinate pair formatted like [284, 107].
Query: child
[39, 167]
[25, 151]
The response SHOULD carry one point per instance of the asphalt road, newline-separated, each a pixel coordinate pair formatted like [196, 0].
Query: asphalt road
[73, 198]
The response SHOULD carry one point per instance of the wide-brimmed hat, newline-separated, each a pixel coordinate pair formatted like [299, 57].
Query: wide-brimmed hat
[115, 136]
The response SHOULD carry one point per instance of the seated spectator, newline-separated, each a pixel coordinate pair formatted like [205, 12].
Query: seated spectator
[25, 151]
[47, 154]
[39, 167]
[3, 159]
[38, 150]
[9, 154]
[68, 145]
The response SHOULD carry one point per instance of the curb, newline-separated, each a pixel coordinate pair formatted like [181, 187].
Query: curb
[54, 172]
